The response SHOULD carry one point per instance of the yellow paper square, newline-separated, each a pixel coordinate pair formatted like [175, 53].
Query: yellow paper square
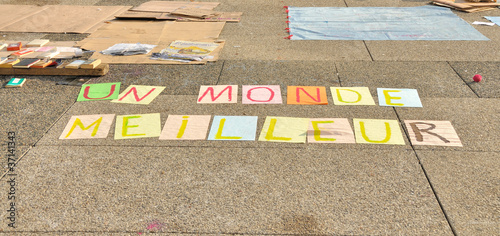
[138, 126]
[378, 131]
[352, 96]
[330, 130]
[284, 129]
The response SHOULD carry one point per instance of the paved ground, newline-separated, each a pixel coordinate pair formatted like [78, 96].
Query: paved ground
[124, 187]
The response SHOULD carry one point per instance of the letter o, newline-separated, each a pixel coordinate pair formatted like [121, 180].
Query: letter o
[249, 93]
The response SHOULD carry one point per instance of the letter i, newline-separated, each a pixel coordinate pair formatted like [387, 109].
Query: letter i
[183, 127]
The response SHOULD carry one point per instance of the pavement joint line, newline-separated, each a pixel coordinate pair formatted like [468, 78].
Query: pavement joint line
[171, 232]
[428, 179]
[468, 84]
[17, 161]
[55, 122]
[440, 150]
[368, 50]
[221, 70]
[301, 148]
[338, 74]
[141, 146]
[34, 145]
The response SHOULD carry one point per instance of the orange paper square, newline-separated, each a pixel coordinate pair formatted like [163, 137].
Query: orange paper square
[306, 95]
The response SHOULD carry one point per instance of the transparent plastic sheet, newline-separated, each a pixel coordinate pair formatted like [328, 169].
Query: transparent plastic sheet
[127, 49]
[186, 51]
[379, 23]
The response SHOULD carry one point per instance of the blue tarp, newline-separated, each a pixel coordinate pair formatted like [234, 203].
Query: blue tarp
[379, 23]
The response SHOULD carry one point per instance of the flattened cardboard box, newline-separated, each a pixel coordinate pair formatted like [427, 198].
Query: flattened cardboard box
[170, 6]
[160, 33]
[219, 17]
[56, 18]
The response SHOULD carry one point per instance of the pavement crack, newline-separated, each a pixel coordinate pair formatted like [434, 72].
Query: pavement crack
[220, 73]
[338, 74]
[468, 84]
[368, 50]
[427, 177]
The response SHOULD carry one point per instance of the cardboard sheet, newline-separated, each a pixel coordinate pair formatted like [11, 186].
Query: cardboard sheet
[235, 128]
[160, 33]
[56, 18]
[170, 6]
[194, 12]
[88, 126]
[219, 16]
[186, 127]
[138, 126]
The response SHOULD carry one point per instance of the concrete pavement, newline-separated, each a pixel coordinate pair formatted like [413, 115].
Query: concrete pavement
[138, 186]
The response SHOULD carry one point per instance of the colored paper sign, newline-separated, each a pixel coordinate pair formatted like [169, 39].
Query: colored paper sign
[261, 94]
[330, 130]
[378, 131]
[218, 94]
[430, 132]
[103, 91]
[138, 126]
[88, 126]
[241, 128]
[186, 127]
[398, 97]
[284, 129]
[351, 96]
[139, 94]
[306, 95]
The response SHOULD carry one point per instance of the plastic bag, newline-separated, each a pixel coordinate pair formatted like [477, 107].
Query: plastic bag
[127, 49]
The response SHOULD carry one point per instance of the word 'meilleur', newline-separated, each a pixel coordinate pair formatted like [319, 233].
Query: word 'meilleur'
[275, 129]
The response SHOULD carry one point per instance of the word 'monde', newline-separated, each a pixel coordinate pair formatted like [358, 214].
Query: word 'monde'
[258, 94]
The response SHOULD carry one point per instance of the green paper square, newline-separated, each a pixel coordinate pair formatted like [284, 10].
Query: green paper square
[96, 92]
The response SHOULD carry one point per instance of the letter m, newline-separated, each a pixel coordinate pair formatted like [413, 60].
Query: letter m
[210, 89]
[79, 123]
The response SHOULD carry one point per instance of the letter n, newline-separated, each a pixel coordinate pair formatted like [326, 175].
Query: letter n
[136, 96]
[307, 95]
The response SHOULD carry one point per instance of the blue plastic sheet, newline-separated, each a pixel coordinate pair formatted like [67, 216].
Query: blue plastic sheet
[379, 23]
